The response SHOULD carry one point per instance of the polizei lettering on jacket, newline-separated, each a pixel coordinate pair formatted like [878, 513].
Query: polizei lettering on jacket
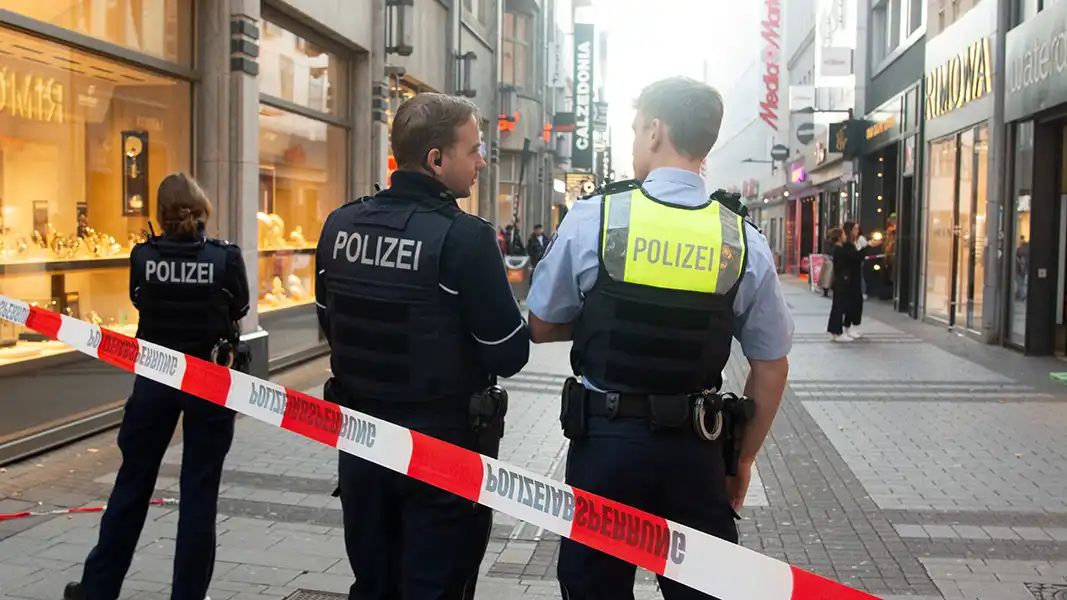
[772, 53]
[172, 271]
[674, 254]
[378, 251]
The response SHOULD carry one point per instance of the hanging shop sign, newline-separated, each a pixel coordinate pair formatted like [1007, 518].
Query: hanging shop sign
[582, 139]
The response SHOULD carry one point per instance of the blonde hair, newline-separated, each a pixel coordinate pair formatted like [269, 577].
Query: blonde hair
[183, 207]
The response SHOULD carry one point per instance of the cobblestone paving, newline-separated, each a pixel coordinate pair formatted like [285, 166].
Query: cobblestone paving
[911, 464]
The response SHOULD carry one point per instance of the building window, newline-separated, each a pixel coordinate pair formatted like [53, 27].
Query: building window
[477, 9]
[84, 143]
[304, 169]
[159, 28]
[894, 22]
[516, 50]
[300, 72]
[1026, 9]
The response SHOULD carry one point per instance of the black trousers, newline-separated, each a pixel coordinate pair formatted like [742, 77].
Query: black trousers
[854, 308]
[152, 413]
[407, 540]
[839, 307]
[675, 476]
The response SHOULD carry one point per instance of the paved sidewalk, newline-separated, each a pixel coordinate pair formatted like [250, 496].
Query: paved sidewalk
[912, 464]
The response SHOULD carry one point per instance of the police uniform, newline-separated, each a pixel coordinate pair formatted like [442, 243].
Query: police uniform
[415, 303]
[189, 295]
[656, 280]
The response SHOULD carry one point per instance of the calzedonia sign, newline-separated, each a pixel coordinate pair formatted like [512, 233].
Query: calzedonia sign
[962, 79]
[1036, 64]
[771, 31]
[582, 138]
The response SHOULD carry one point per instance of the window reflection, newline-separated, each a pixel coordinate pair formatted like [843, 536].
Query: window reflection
[158, 28]
[298, 71]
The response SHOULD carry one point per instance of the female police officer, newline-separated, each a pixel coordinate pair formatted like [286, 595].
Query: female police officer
[190, 291]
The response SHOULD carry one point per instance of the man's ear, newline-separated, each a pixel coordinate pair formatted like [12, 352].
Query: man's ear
[434, 160]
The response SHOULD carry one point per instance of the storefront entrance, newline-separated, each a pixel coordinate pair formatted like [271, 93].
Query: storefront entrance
[956, 226]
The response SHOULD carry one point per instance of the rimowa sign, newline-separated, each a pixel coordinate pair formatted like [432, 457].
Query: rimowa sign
[772, 60]
[582, 138]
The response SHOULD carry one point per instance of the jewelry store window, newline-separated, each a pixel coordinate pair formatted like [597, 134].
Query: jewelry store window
[304, 169]
[84, 143]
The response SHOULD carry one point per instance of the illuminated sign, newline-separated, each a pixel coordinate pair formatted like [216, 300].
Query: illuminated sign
[881, 127]
[966, 77]
[772, 56]
[31, 97]
[582, 140]
[797, 173]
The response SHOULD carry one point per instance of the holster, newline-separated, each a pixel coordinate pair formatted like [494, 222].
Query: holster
[487, 411]
[573, 411]
[737, 412]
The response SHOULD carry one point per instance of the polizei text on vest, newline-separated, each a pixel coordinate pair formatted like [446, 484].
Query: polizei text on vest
[378, 251]
[174, 271]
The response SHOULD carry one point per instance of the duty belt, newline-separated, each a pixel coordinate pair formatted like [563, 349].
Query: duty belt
[623, 404]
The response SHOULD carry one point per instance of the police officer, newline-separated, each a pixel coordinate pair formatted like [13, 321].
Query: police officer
[415, 302]
[190, 291]
[651, 281]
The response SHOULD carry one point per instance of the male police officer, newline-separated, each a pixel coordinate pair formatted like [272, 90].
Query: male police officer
[652, 282]
[190, 291]
[419, 314]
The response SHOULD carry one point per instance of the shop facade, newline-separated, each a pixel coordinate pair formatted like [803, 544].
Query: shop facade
[269, 107]
[1034, 265]
[958, 262]
[889, 192]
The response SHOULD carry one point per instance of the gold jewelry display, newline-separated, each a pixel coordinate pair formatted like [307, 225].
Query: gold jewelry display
[100, 244]
[296, 289]
[297, 237]
[271, 231]
[65, 246]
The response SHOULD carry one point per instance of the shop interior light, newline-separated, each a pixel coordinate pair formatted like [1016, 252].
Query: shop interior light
[879, 197]
[786, 194]
[877, 267]
[879, 210]
[879, 174]
[844, 194]
[877, 235]
[766, 200]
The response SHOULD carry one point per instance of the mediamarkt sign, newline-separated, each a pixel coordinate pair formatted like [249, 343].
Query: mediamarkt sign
[772, 57]
[582, 145]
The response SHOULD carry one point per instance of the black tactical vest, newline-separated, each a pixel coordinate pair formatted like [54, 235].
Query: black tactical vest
[638, 338]
[181, 294]
[397, 336]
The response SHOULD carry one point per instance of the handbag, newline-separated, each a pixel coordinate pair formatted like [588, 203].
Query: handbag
[826, 276]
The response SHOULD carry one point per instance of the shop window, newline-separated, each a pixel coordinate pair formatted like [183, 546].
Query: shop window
[1020, 254]
[516, 51]
[159, 28]
[477, 9]
[84, 144]
[939, 235]
[302, 171]
[299, 71]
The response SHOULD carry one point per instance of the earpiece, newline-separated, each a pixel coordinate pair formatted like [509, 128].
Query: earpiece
[437, 161]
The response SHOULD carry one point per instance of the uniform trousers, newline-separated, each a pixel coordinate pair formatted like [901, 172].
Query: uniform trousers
[151, 415]
[407, 540]
[676, 476]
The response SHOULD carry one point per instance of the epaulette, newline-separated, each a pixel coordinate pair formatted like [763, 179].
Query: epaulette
[359, 200]
[614, 187]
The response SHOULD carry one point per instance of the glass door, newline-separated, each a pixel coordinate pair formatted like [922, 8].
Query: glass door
[956, 221]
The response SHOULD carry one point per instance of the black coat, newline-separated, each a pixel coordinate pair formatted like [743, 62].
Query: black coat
[848, 267]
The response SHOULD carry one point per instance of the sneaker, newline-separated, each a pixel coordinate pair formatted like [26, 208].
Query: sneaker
[854, 332]
[843, 338]
[73, 591]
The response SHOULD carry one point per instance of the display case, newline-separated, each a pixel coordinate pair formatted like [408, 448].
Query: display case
[304, 175]
[84, 142]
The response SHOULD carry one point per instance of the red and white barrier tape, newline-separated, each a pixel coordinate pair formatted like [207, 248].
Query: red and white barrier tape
[681, 553]
[71, 511]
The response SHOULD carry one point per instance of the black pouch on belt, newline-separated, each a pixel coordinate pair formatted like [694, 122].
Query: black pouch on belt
[668, 412]
[573, 411]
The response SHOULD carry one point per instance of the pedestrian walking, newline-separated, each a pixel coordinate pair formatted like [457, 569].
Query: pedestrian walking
[198, 316]
[416, 306]
[652, 280]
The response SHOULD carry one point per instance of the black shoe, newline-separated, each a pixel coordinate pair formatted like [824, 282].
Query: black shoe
[73, 591]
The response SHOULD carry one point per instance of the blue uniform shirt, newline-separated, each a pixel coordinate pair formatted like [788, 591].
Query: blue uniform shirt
[568, 270]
